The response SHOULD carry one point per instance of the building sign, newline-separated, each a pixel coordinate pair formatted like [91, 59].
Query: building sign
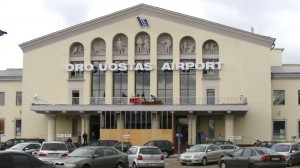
[143, 66]
[143, 22]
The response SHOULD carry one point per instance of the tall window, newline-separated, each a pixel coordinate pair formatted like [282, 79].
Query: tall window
[278, 129]
[299, 97]
[298, 129]
[210, 96]
[75, 96]
[120, 85]
[211, 128]
[2, 98]
[165, 83]
[2, 126]
[278, 97]
[188, 85]
[98, 85]
[19, 98]
[76, 74]
[142, 82]
[18, 125]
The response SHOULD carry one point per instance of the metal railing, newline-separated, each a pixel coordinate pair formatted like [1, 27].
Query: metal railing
[142, 100]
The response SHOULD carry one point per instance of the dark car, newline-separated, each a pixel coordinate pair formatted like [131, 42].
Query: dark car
[290, 150]
[123, 146]
[27, 147]
[9, 143]
[110, 143]
[164, 145]
[253, 157]
[94, 157]
[267, 144]
[229, 148]
[13, 159]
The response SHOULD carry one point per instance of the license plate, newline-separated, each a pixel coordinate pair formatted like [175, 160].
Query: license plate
[53, 155]
[152, 164]
[275, 159]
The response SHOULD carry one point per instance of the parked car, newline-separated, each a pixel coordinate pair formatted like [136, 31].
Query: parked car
[53, 150]
[27, 147]
[94, 157]
[123, 146]
[229, 148]
[13, 159]
[164, 145]
[201, 154]
[220, 142]
[267, 144]
[71, 147]
[145, 156]
[290, 150]
[253, 157]
[11, 142]
[110, 143]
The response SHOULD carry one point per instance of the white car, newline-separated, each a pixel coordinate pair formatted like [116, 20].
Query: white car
[51, 151]
[201, 154]
[27, 147]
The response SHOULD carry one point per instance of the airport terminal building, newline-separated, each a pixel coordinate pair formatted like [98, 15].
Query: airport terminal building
[146, 73]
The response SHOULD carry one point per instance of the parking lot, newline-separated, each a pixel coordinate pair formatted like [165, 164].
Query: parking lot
[172, 162]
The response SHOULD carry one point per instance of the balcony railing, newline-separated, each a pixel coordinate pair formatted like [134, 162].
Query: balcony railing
[143, 100]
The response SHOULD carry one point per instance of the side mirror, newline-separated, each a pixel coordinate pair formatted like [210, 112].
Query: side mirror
[293, 151]
[95, 156]
[25, 149]
[35, 153]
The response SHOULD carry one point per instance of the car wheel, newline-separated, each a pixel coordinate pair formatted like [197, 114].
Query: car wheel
[204, 161]
[119, 165]
[223, 164]
[290, 163]
[183, 164]
[85, 166]
[166, 154]
[251, 165]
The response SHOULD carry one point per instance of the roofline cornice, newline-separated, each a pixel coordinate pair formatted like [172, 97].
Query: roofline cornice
[291, 76]
[152, 11]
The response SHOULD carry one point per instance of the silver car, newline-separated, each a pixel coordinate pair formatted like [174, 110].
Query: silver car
[201, 154]
[290, 150]
[27, 147]
[51, 151]
[229, 148]
[145, 156]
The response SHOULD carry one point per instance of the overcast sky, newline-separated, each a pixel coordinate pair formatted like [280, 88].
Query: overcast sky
[26, 20]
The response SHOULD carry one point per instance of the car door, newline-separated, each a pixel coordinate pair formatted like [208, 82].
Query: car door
[235, 158]
[245, 158]
[111, 156]
[132, 154]
[210, 155]
[98, 159]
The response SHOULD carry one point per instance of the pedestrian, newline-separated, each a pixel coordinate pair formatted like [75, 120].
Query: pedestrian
[84, 136]
[93, 137]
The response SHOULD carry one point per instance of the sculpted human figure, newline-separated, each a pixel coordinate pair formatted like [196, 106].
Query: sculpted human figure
[168, 44]
[96, 49]
[212, 47]
[139, 44]
[146, 45]
[120, 44]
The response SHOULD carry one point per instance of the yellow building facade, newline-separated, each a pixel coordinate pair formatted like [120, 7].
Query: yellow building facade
[149, 73]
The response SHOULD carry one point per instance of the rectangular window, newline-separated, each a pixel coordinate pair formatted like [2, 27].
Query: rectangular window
[278, 129]
[76, 74]
[18, 125]
[120, 85]
[142, 82]
[298, 129]
[188, 85]
[19, 98]
[278, 97]
[98, 84]
[2, 98]
[165, 83]
[211, 128]
[299, 97]
[2, 126]
[74, 127]
[210, 96]
[75, 96]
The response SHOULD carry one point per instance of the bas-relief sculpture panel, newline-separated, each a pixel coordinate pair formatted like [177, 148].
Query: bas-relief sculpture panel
[187, 46]
[77, 50]
[120, 45]
[142, 44]
[210, 47]
[165, 45]
[98, 47]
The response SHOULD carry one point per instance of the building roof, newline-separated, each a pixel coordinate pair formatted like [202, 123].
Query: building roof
[143, 9]
[11, 73]
[285, 69]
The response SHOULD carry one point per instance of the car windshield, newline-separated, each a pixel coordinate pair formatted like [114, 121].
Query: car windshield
[281, 148]
[54, 146]
[82, 152]
[197, 148]
[150, 151]
[266, 151]
[19, 146]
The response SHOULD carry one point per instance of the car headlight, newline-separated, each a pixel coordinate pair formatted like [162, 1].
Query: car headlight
[197, 156]
[69, 165]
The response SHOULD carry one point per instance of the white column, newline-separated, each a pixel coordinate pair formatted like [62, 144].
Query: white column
[51, 127]
[229, 123]
[82, 127]
[194, 129]
[190, 123]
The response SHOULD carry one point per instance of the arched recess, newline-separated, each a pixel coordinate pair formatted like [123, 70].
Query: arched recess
[187, 46]
[76, 50]
[210, 47]
[120, 45]
[210, 53]
[165, 44]
[98, 47]
[142, 44]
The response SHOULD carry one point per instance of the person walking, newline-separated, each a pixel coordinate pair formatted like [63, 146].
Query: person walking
[84, 136]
